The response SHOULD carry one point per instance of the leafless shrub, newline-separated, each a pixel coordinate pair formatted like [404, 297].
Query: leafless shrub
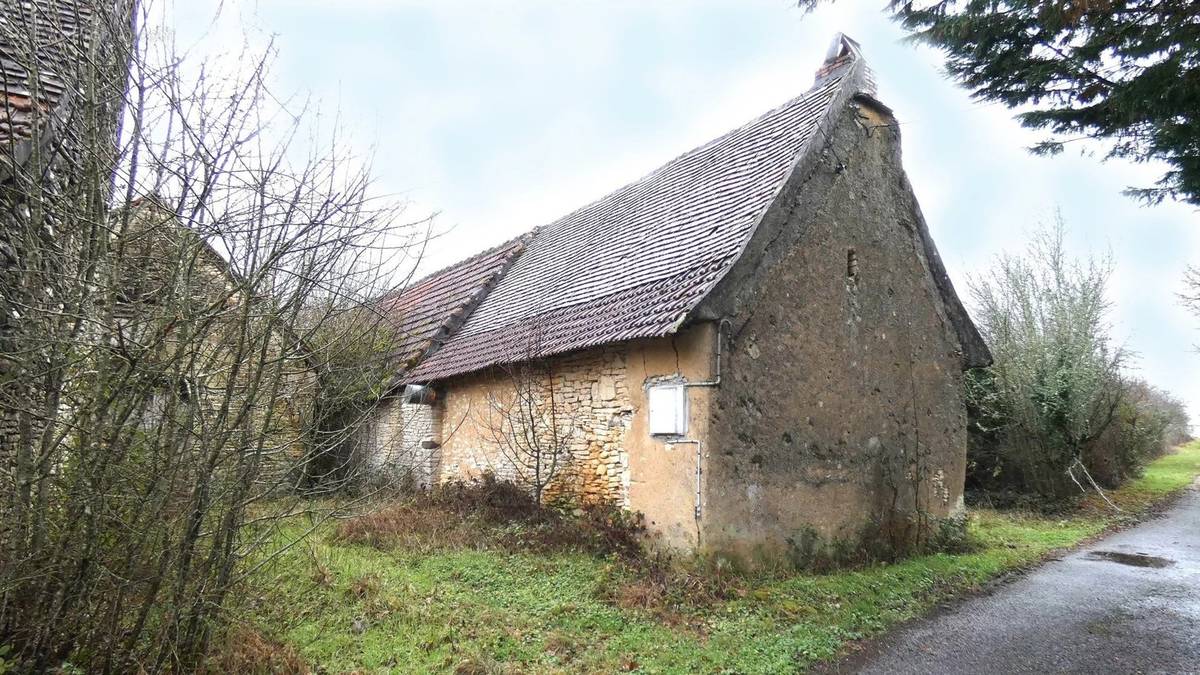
[526, 422]
[1148, 423]
[1190, 297]
[187, 244]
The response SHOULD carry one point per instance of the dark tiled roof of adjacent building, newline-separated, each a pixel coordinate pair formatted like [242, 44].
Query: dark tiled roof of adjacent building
[632, 264]
[46, 35]
[428, 310]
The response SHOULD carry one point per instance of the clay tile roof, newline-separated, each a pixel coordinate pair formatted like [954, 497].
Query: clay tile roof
[634, 263]
[45, 33]
[428, 310]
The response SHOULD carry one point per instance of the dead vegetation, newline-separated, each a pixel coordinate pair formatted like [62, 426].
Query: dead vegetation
[182, 242]
[245, 650]
[493, 514]
[674, 591]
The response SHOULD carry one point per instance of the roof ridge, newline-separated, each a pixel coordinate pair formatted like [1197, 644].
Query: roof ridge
[831, 82]
[428, 276]
[530, 233]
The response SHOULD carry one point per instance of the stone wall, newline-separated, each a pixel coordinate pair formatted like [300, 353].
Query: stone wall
[285, 414]
[31, 270]
[162, 292]
[402, 442]
[11, 390]
[48, 203]
[611, 456]
[588, 397]
[840, 423]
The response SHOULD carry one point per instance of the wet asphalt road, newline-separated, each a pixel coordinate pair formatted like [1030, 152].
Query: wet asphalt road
[1090, 612]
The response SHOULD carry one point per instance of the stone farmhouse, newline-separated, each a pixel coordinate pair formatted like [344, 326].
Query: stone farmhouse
[221, 361]
[756, 345]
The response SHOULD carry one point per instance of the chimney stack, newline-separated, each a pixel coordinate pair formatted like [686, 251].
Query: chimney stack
[843, 55]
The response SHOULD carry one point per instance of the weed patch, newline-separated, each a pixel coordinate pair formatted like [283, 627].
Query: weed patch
[246, 650]
[492, 515]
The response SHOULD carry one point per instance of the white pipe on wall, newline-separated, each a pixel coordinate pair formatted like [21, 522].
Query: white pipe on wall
[715, 382]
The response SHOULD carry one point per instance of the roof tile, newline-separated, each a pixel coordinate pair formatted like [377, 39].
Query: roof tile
[634, 263]
[44, 33]
[426, 311]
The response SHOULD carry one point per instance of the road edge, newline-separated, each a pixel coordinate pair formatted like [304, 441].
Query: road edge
[857, 653]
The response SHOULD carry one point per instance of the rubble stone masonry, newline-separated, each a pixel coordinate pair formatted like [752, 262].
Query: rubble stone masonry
[401, 442]
[611, 456]
[591, 394]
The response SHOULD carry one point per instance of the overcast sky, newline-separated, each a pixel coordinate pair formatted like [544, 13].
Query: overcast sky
[504, 116]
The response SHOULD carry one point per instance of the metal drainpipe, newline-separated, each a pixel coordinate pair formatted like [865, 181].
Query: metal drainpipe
[699, 453]
[715, 382]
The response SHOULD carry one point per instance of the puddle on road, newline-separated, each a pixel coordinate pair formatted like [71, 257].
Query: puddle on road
[1134, 559]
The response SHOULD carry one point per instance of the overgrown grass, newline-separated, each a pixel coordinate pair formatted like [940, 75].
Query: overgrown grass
[1165, 475]
[344, 607]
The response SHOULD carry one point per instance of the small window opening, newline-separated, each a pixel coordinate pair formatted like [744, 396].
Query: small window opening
[851, 265]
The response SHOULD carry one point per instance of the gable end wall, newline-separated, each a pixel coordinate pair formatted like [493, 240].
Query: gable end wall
[393, 443]
[842, 397]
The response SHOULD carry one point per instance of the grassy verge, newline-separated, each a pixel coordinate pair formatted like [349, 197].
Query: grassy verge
[344, 607]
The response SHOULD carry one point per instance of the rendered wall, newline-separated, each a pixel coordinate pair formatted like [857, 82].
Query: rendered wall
[841, 423]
